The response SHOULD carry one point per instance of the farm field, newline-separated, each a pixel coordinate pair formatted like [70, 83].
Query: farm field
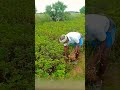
[49, 63]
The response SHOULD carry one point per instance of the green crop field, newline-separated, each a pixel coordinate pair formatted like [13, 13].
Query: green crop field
[49, 63]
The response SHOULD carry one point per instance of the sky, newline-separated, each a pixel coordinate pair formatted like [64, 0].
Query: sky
[72, 5]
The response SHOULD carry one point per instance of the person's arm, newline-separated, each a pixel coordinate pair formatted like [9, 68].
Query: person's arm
[94, 59]
[76, 50]
[65, 50]
[77, 47]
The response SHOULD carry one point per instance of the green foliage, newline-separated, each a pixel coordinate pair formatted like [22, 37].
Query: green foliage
[56, 11]
[16, 57]
[82, 10]
[49, 63]
[17, 12]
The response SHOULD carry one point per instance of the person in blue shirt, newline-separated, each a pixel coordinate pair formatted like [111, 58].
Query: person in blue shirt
[100, 33]
[72, 39]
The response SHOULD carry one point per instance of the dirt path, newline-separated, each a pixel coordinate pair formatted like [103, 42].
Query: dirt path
[80, 67]
[112, 77]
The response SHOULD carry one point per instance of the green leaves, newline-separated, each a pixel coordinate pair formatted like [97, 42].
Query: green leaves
[82, 10]
[56, 11]
[60, 74]
[49, 10]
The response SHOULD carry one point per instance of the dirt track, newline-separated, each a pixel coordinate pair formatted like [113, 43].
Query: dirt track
[80, 67]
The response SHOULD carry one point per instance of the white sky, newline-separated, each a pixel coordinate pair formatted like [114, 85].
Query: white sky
[72, 5]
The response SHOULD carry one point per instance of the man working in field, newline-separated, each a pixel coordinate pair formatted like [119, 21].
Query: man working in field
[100, 33]
[72, 39]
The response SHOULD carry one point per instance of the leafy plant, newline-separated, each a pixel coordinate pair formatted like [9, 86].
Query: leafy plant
[82, 10]
[56, 11]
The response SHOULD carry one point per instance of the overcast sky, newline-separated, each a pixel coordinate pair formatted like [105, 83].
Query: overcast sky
[72, 5]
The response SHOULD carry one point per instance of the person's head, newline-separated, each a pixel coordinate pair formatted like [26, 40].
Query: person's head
[63, 39]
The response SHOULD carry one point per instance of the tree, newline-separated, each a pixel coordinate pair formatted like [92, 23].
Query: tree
[56, 11]
[82, 10]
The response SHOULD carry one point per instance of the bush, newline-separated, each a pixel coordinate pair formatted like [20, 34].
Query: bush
[56, 11]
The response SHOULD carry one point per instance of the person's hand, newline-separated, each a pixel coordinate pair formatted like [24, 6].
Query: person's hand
[76, 50]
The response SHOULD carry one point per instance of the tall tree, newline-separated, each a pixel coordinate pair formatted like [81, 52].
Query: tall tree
[82, 10]
[56, 11]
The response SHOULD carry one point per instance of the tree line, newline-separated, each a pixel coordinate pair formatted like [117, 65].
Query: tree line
[57, 12]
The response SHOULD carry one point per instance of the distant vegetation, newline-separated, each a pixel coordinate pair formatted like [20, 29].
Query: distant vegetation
[56, 11]
[82, 10]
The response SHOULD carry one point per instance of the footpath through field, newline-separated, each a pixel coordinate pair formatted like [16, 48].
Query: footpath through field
[79, 69]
